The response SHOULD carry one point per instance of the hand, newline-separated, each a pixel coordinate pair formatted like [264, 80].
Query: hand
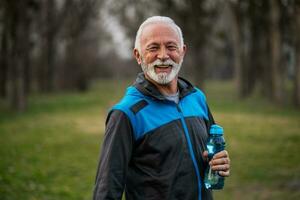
[220, 162]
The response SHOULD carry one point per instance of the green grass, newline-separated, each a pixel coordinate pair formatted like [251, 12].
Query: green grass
[51, 151]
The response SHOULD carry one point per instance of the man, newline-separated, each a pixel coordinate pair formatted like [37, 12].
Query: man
[154, 145]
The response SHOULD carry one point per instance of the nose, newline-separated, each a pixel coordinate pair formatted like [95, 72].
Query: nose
[163, 54]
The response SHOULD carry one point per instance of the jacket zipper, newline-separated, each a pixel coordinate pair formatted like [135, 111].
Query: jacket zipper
[191, 151]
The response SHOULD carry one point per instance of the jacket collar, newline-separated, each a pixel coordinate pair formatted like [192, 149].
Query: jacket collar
[149, 89]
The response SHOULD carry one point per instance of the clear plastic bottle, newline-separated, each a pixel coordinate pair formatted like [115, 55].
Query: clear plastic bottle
[215, 144]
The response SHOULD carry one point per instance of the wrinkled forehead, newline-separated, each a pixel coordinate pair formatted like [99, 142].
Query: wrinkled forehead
[160, 30]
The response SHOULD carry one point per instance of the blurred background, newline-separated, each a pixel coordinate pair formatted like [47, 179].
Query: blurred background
[64, 63]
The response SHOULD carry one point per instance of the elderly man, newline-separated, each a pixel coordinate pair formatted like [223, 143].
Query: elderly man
[154, 145]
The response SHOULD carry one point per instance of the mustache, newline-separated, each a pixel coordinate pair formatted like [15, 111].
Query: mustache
[166, 63]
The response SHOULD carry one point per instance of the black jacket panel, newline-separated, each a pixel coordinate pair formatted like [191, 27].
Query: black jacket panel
[114, 158]
[155, 164]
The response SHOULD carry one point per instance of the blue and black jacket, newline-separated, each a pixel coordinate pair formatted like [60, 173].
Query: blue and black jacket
[153, 147]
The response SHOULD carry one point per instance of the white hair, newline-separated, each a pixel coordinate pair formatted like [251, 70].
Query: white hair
[156, 19]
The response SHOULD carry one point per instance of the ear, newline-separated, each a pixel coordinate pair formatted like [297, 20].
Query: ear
[184, 49]
[137, 56]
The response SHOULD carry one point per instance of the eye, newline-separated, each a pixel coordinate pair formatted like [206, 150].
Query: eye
[152, 48]
[172, 47]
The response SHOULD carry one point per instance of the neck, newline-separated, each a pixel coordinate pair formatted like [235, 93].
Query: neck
[166, 89]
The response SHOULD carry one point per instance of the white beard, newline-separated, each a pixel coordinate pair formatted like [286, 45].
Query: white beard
[161, 78]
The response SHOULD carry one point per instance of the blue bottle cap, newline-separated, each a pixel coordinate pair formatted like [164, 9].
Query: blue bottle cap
[216, 130]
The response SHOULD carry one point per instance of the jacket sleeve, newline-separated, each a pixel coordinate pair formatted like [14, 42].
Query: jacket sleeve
[114, 158]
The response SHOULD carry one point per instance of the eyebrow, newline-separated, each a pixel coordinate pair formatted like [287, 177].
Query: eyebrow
[173, 43]
[152, 44]
[157, 44]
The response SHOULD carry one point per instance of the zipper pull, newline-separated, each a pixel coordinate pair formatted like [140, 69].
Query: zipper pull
[178, 108]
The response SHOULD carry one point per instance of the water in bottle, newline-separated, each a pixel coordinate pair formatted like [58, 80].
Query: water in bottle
[215, 144]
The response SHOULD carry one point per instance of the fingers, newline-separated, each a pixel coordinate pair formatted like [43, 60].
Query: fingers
[221, 163]
[222, 173]
[221, 154]
[220, 158]
[224, 167]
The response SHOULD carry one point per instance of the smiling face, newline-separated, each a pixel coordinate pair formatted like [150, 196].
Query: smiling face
[161, 55]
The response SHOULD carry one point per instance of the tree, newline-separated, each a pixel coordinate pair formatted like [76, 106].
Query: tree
[80, 35]
[258, 40]
[15, 49]
[236, 38]
[31, 35]
[296, 40]
[62, 28]
[51, 21]
[276, 54]
[3, 50]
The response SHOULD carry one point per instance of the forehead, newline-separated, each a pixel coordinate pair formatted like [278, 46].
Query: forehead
[159, 33]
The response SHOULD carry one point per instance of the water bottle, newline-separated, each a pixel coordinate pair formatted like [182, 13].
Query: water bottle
[215, 144]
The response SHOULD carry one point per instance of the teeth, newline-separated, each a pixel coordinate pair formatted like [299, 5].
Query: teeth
[162, 66]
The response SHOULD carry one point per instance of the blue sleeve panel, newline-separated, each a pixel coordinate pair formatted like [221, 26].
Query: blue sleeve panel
[158, 113]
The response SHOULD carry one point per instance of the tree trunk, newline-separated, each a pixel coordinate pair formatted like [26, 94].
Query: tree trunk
[297, 77]
[3, 60]
[275, 43]
[242, 36]
[297, 50]
[246, 59]
[50, 46]
[48, 34]
[236, 41]
[18, 53]
[27, 49]
[266, 89]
